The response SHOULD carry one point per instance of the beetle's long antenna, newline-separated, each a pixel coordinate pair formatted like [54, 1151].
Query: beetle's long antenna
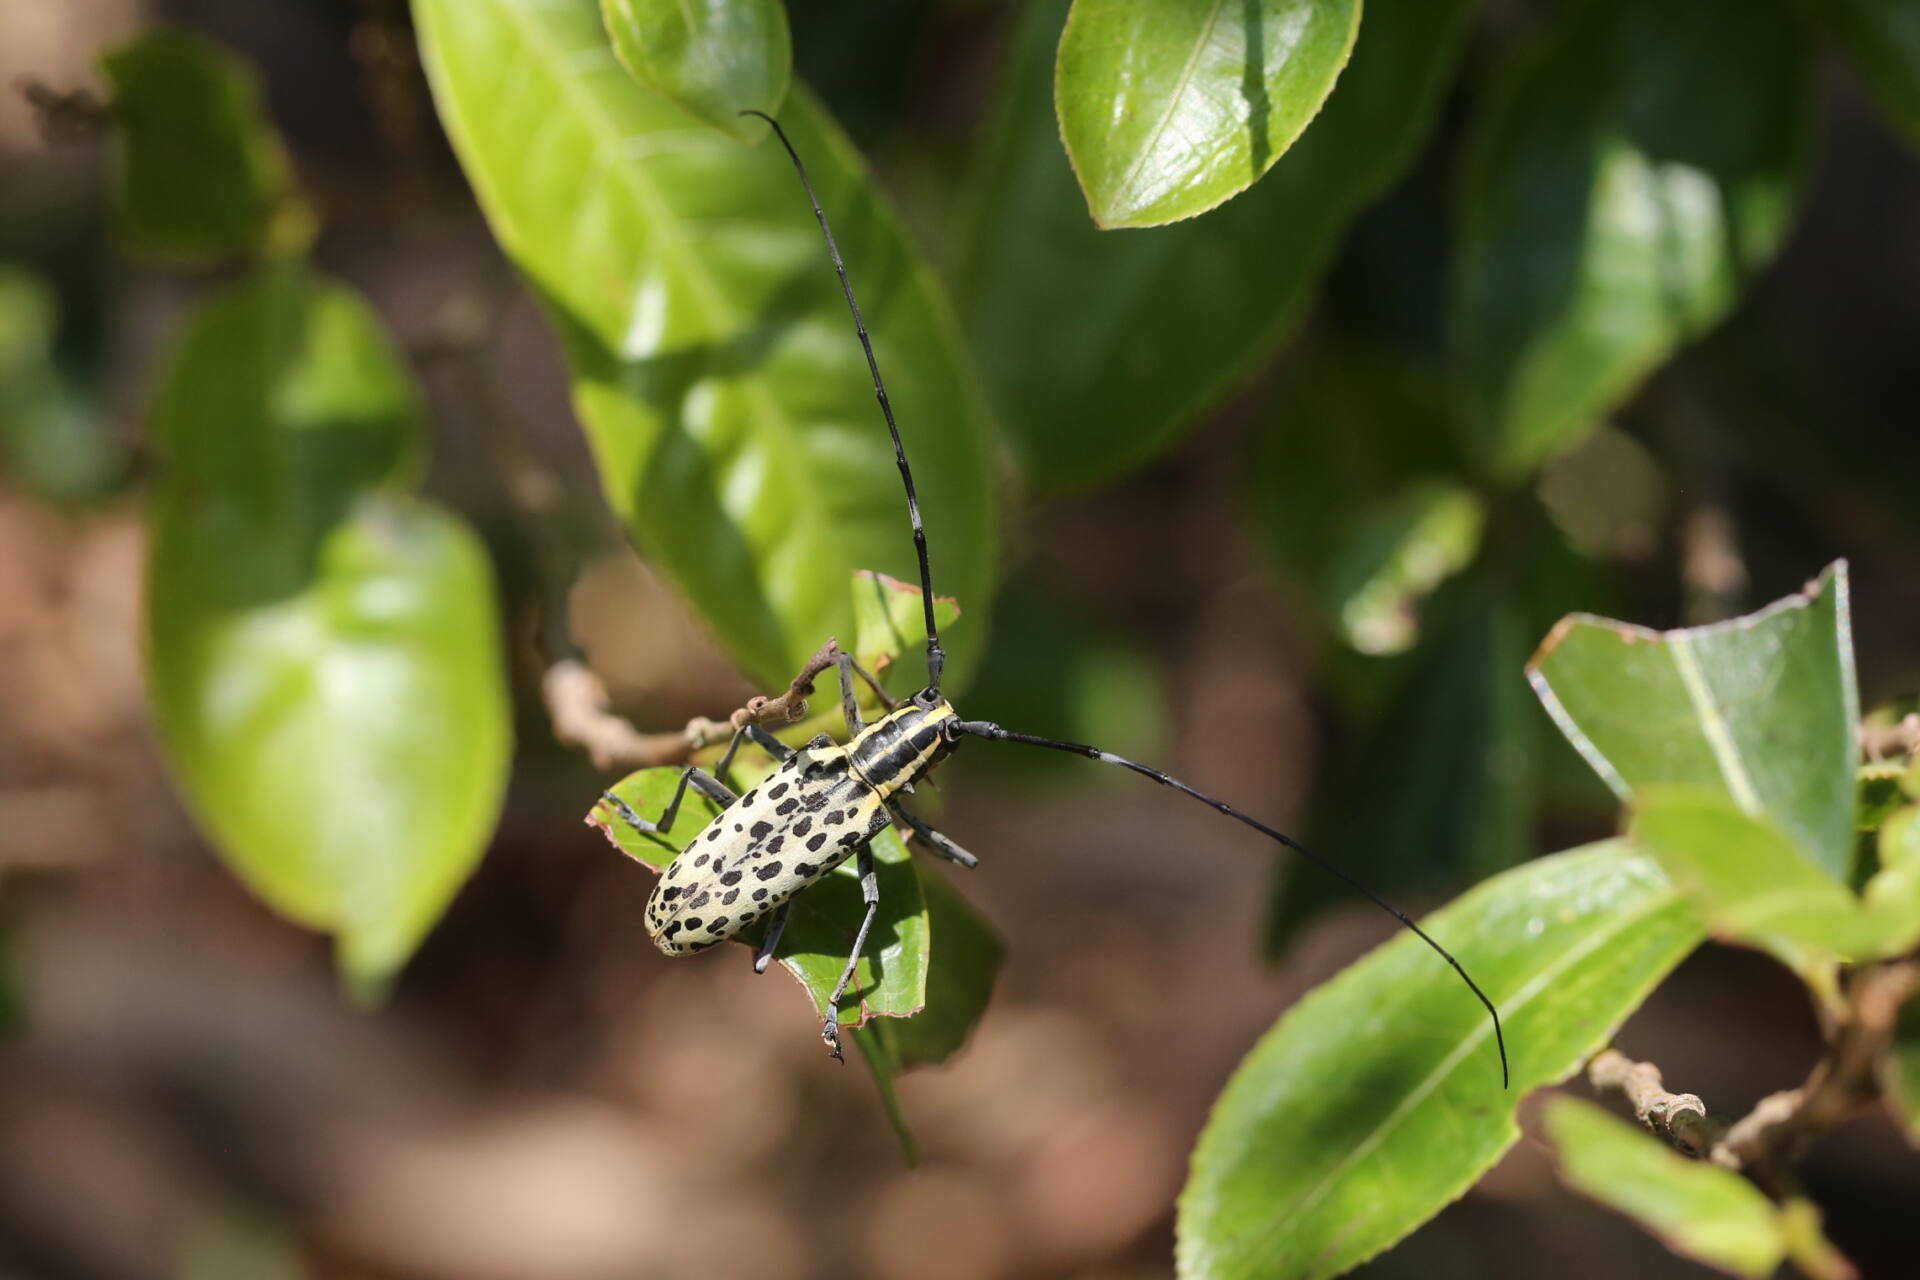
[986, 729]
[936, 656]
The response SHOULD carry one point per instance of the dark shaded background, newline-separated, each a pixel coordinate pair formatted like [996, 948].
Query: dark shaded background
[184, 1093]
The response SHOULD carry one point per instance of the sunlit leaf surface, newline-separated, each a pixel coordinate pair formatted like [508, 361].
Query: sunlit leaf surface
[1168, 107]
[715, 367]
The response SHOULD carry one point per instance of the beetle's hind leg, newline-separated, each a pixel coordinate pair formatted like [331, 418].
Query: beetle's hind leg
[933, 840]
[869, 894]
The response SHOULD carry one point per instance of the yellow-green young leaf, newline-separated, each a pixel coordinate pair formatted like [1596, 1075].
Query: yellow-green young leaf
[890, 625]
[1696, 1209]
[1101, 349]
[1760, 708]
[199, 172]
[322, 651]
[716, 58]
[1625, 184]
[1377, 1099]
[1754, 885]
[714, 365]
[1883, 39]
[1169, 107]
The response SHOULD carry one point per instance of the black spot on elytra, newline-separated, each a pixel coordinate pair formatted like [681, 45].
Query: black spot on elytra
[702, 946]
[713, 833]
[803, 826]
[767, 871]
[717, 924]
[731, 878]
[773, 845]
[692, 922]
[698, 903]
[817, 801]
[749, 797]
[738, 827]
[850, 839]
[669, 893]
[673, 928]
[832, 818]
[727, 899]
[776, 792]
[761, 830]
[804, 870]
[701, 861]
[760, 895]
[786, 807]
[815, 843]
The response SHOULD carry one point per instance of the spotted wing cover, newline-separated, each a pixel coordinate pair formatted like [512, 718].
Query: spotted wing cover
[804, 820]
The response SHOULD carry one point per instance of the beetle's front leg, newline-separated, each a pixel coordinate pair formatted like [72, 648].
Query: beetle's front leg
[706, 783]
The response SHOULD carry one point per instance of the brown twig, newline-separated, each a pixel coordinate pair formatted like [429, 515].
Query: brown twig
[1891, 741]
[1680, 1118]
[577, 705]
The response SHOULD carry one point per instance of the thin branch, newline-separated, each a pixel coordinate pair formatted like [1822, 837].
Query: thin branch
[1680, 1118]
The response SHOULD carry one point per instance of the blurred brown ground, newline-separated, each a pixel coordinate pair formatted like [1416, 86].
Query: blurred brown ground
[546, 1098]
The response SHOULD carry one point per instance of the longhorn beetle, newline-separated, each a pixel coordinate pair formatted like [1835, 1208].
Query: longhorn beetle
[826, 803]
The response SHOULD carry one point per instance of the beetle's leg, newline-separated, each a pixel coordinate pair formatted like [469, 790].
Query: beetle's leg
[849, 705]
[934, 841]
[708, 785]
[873, 682]
[779, 750]
[869, 894]
[775, 924]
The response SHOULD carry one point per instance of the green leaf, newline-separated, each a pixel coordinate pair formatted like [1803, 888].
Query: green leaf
[1376, 1100]
[1438, 788]
[199, 172]
[1754, 885]
[1625, 183]
[1167, 109]
[1696, 1209]
[1102, 349]
[714, 366]
[323, 654]
[1761, 708]
[889, 622]
[716, 58]
[1883, 39]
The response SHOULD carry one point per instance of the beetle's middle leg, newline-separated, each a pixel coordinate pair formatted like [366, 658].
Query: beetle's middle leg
[934, 841]
[869, 894]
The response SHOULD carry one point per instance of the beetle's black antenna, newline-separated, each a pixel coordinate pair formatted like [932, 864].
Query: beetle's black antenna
[986, 729]
[936, 656]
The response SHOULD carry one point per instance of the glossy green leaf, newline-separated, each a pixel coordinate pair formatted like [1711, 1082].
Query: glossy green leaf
[1377, 1099]
[1169, 108]
[1754, 885]
[1696, 1209]
[1761, 708]
[890, 626]
[1883, 39]
[716, 58]
[714, 364]
[1625, 184]
[199, 172]
[1101, 349]
[323, 654]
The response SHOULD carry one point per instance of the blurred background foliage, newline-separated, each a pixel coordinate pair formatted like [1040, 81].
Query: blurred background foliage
[1553, 306]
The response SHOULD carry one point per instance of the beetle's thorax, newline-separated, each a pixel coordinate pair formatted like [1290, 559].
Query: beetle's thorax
[896, 749]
